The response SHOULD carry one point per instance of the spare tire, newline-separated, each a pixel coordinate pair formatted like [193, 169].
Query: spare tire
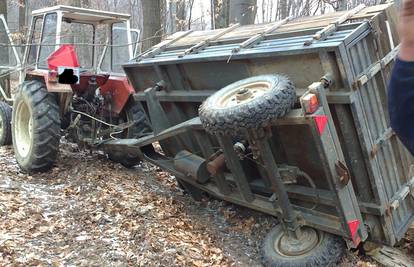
[247, 104]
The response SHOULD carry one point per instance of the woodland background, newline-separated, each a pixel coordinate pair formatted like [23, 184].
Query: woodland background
[164, 17]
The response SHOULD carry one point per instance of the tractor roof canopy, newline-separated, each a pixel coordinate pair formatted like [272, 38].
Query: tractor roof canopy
[84, 14]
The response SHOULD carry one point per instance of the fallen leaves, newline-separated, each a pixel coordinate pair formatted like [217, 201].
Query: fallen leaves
[89, 211]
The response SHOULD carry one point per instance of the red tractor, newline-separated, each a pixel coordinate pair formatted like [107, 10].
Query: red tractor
[72, 84]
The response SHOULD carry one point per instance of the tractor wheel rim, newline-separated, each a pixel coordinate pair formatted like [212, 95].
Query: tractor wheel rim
[23, 129]
[289, 246]
[243, 94]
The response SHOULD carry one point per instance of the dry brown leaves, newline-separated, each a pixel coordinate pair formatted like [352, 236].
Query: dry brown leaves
[88, 211]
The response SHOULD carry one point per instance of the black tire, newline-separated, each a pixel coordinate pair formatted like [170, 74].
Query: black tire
[255, 112]
[131, 113]
[327, 252]
[5, 124]
[35, 127]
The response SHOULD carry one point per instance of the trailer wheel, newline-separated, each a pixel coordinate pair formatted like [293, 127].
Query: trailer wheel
[35, 127]
[131, 113]
[5, 124]
[247, 104]
[314, 249]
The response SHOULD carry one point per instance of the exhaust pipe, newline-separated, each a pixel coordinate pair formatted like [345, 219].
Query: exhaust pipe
[192, 165]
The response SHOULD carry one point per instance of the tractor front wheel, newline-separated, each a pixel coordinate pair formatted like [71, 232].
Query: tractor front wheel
[35, 127]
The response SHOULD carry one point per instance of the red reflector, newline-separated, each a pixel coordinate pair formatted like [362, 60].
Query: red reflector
[310, 103]
[353, 228]
[320, 121]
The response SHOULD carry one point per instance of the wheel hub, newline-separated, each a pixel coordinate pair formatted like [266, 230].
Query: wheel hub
[24, 128]
[291, 246]
[244, 94]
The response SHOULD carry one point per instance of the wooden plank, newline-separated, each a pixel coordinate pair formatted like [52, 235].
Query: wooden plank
[201, 39]
[331, 28]
[376, 67]
[299, 24]
[201, 45]
[163, 45]
[261, 36]
[391, 257]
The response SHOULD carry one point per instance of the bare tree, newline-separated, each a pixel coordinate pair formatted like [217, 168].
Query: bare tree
[151, 28]
[341, 5]
[23, 17]
[191, 4]
[22, 14]
[283, 5]
[243, 11]
[220, 13]
[181, 14]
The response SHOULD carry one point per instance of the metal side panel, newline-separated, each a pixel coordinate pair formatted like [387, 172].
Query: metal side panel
[389, 163]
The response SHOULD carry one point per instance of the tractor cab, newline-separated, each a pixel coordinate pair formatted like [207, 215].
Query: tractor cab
[101, 40]
[80, 51]
[72, 62]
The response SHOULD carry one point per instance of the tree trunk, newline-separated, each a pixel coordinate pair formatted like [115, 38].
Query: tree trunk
[172, 15]
[306, 8]
[85, 4]
[190, 16]
[341, 5]
[151, 32]
[283, 9]
[243, 11]
[23, 15]
[75, 3]
[181, 15]
[221, 13]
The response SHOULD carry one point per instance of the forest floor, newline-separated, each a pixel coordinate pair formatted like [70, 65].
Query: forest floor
[88, 211]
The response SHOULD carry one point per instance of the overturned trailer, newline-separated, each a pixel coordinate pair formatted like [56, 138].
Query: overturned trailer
[322, 159]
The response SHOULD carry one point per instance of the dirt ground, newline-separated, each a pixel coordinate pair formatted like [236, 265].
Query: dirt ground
[88, 211]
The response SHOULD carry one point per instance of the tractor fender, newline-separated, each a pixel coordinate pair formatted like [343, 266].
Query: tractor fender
[42, 76]
[119, 89]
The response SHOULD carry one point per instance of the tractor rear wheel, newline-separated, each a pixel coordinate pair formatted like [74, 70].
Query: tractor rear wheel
[131, 114]
[35, 127]
[5, 124]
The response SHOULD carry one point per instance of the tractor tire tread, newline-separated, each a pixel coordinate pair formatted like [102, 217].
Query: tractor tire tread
[6, 114]
[327, 253]
[46, 127]
[236, 120]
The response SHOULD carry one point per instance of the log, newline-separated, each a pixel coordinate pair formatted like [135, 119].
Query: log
[392, 257]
